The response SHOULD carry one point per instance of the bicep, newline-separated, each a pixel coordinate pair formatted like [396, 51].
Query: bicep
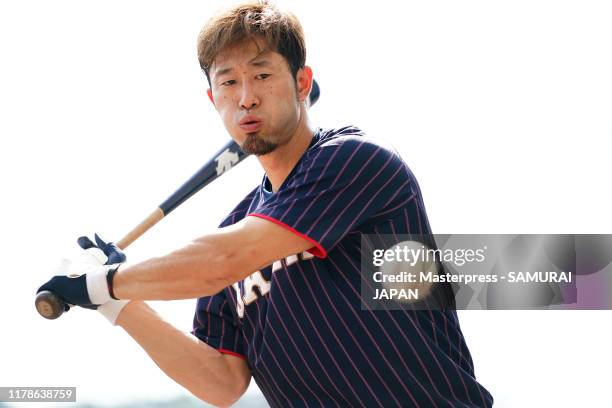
[259, 242]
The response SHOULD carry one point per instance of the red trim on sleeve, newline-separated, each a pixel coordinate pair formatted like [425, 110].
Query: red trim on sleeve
[231, 353]
[317, 250]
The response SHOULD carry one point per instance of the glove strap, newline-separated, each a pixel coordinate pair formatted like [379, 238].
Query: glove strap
[109, 282]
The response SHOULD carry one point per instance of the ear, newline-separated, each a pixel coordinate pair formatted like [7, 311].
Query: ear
[210, 95]
[304, 82]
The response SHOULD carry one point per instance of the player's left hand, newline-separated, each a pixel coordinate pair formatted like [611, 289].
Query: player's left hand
[83, 281]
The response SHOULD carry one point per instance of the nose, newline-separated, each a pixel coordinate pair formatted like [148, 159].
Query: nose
[248, 97]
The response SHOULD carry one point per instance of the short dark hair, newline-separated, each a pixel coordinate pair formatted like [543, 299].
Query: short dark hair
[279, 29]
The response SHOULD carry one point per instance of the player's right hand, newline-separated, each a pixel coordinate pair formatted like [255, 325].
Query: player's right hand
[104, 253]
[83, 281]
[111, 309]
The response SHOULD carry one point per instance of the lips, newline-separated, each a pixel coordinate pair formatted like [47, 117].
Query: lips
[250, 123]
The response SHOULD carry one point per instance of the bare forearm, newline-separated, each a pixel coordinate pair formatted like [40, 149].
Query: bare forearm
[202, 268]
[210, 263]
[208, 374]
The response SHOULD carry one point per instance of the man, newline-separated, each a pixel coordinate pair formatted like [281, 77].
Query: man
[279, 282]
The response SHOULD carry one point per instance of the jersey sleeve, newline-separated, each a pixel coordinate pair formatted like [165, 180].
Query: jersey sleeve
[336, 189]
[214, 324]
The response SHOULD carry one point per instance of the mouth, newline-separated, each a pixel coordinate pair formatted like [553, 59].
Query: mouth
[250, 124]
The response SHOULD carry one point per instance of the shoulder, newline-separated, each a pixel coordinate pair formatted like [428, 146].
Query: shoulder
[348, 146]
[240, 211]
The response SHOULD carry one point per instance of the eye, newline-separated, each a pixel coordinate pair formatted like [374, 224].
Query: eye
[262, 76]
[228, 82]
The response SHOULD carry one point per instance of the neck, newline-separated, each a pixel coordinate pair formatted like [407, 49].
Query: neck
[279, 163]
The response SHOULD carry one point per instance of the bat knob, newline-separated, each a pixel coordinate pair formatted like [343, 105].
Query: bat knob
[49, 305]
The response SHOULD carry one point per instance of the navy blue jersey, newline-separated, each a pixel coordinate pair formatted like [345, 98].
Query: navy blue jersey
[298, 322]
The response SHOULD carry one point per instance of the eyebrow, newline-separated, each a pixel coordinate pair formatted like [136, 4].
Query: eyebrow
[223, 71]
[258, 61]
[261, 63]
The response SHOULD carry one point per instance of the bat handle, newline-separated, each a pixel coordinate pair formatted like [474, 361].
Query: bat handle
[49, 305]
[141, 228]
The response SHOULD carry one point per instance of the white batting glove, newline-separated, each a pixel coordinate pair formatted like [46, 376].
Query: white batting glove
[84, 281]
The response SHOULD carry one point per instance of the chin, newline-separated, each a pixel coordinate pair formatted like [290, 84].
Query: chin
[255, 144]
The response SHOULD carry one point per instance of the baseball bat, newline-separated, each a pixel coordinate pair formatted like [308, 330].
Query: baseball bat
[51, 306]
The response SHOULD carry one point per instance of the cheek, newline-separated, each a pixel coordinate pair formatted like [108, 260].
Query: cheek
[224, 110]
[289, 109]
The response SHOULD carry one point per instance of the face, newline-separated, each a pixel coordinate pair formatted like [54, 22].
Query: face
[257, 97]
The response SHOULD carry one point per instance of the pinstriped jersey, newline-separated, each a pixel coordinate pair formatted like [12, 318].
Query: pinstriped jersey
[298, 322]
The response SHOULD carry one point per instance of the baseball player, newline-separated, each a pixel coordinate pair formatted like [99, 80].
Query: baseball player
[278, 284]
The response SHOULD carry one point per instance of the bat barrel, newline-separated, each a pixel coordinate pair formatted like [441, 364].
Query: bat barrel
[315, 92]
[226, 158]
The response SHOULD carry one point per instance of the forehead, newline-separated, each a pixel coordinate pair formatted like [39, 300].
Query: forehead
[248, 52]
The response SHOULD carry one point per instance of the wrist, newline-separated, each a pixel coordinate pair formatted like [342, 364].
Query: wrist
[112, 309]
[97, 286]
[109, 281]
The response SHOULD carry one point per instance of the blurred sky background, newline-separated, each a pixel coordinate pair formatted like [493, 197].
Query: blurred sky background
[503, 110]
